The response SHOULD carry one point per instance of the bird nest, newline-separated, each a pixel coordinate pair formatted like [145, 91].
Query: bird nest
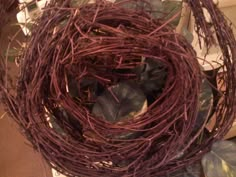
[109, 90]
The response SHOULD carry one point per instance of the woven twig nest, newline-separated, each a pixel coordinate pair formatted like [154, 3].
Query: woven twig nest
[109, 91]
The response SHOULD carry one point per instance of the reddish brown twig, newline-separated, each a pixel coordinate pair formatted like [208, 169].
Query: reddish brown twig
[94, 42]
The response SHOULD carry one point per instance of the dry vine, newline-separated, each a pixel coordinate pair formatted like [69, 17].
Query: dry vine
[107, 43]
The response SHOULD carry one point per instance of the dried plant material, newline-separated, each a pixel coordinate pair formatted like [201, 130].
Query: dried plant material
[75, 53]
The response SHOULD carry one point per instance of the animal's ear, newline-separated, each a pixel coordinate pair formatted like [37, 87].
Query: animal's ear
[221, 160]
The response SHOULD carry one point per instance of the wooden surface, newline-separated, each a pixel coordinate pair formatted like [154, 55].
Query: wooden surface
[17, 157]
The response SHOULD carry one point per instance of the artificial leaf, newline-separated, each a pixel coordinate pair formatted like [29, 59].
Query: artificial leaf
[11, 58]
[152, 79]
[205, 105]
[11, 54]
[166, 10]
[159, 9]
[119, 102]
[54, 125]
[65, 124]
[194, 170]
[221, 160]
[187, 34]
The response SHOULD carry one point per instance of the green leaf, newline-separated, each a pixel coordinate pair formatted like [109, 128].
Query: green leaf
[11, 54]
[11, 58]
[221, 160]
